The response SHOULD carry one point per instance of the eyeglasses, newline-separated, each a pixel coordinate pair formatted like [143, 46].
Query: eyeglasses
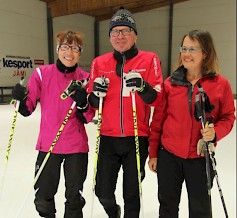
[125, 32]
[75, 49]
[192, 50]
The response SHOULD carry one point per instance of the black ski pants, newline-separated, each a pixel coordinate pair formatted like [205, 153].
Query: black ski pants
[115, 152]
[75, 171]
[172, 171]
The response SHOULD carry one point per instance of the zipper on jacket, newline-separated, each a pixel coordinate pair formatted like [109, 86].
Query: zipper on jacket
[121, 97]
[190, 93]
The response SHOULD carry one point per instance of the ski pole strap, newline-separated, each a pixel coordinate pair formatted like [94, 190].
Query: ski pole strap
[206, 104]
[202, 106]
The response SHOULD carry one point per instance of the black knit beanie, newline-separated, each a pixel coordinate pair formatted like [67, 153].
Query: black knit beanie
[123, 17]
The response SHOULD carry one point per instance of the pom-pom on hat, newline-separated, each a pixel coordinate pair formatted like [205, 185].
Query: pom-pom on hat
[123, 17]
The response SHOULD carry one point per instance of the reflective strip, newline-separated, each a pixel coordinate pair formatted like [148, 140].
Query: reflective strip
[39, 73]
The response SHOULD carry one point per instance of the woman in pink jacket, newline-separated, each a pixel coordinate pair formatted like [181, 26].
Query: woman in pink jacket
[46, 86]
[176, 128]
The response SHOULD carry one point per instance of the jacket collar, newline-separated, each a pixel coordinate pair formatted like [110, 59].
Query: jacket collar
[62, 68]
[132, 52]
[178, 77]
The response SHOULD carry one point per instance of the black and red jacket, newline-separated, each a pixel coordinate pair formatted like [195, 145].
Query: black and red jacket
[174, 125]
[117, 116]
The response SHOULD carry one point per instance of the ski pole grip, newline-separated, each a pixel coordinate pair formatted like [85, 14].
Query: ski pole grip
[22, 81]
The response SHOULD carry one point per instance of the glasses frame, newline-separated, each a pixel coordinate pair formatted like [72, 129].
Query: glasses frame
[116, 32]
[192, 50]
[72, 47]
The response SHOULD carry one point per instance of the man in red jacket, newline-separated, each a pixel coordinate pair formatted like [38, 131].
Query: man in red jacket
[126, 69]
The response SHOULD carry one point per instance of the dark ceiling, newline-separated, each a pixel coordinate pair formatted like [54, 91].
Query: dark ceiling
[103, 9]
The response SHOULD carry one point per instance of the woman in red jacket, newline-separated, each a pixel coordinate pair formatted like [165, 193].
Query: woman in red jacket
[176, 131]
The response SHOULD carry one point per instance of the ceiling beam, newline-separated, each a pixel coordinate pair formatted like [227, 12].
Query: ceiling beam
[103, 9]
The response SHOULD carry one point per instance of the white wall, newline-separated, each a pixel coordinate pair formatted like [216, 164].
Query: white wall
[219, 18]
[23, 32]
[216, 16]
[83, 24]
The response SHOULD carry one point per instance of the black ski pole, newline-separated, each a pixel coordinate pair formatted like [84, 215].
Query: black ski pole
[218, 183]
[201, 109]
[202, 116]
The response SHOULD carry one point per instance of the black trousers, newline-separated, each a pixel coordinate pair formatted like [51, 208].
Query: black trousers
[115, 152]
[75, 172]
[172, 171]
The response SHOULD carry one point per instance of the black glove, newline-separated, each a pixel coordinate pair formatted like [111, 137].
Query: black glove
[134, 81]
[80, 97]
[19, 92]
[100, 86]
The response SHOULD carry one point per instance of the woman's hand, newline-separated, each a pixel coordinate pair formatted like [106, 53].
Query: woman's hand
[152, 163]
[208, 133]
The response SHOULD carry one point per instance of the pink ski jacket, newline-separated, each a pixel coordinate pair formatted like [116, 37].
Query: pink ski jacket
[174, 125]
[117, 115]
[46, 84]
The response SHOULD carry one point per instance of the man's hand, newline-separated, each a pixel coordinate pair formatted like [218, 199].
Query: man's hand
[134, 81]
[100, 86]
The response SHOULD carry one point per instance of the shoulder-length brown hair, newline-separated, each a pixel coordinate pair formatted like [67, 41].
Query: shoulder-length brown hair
[210, 64]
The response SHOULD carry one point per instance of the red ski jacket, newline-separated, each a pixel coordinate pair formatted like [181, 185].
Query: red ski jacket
[174, 124]
[117, 115]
